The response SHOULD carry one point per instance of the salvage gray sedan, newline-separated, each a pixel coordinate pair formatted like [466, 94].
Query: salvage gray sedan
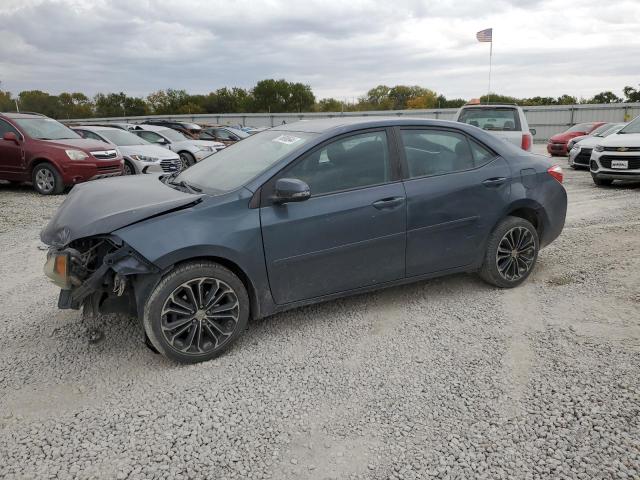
[300, 214]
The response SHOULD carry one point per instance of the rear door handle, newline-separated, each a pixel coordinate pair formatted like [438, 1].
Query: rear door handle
[494, 182]
[389, 202]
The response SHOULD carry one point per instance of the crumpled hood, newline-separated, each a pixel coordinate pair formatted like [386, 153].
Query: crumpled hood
[204, 143]
[102, 206]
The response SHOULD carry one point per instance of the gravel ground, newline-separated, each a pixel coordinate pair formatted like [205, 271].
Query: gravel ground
[448, 378]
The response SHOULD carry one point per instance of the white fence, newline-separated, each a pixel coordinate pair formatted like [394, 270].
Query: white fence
[546, 120]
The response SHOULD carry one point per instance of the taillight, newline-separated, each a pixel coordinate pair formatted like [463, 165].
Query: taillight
[527, 139]
[556, 172]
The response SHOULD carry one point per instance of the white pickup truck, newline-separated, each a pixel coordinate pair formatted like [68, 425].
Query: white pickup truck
[506, 121]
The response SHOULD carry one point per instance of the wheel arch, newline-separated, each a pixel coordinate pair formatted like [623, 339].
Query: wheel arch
[40, 160]
[147, 283]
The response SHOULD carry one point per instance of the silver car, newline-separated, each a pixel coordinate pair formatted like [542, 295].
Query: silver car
[190, 151]
[580, 153]
[139, 155]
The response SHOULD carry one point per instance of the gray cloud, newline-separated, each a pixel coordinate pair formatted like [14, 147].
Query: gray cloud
[341, 49]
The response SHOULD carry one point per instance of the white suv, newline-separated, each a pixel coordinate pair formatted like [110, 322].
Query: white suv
[505, 121]
[617, 157]
[189, 150]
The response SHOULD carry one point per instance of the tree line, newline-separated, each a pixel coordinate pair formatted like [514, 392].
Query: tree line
[269, 95]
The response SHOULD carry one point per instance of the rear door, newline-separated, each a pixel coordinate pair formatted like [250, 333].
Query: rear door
[12, 163]
[456, 191]
[350, 233]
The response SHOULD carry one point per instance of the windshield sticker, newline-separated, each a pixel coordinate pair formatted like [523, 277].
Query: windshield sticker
[286, 139]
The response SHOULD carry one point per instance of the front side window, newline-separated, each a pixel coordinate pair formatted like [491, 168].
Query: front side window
[436, 152]
[353, 162]
[122, 138]
[6, 127]
[173, 135]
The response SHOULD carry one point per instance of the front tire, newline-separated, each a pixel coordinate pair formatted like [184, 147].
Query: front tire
[47, 180]
[196, 312]
[601, 182]
[187, 160]
[511, 253]
[129, 169]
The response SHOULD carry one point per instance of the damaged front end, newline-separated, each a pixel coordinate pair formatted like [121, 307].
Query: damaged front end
[101, 270]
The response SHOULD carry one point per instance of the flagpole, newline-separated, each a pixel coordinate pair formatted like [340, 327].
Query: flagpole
[490, 57]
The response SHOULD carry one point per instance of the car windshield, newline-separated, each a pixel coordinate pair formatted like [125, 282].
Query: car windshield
[243, 161]
[172, 135]
[239, 133]
[601, 129]
[122, 138]
[611, 130]
[581, 127]
[499, 118]
[46, 129]
[633, 127]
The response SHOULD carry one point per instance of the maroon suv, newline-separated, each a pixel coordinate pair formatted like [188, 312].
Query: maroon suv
[38, 149]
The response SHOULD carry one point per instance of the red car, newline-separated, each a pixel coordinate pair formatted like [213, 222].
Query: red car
[38, 149]
[558, 143]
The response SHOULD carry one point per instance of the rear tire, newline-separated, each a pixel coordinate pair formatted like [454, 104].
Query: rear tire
[196, 312]
[601, 182]
[47, 180]
[511, 253]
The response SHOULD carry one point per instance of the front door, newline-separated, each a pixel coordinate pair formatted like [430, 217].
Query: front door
[349, 234]
[456, 192]
[12, 166]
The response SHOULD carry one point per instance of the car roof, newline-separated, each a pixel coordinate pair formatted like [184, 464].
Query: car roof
[153, 128]
[23, 115]
[492, 105]
[97, 128]
[322, 125]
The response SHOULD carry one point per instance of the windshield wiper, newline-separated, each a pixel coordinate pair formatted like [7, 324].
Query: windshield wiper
[186, 186]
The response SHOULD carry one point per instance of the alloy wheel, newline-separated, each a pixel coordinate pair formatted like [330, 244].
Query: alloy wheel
[128, 169]
[200, 316]
[516, 253]
[45, 180]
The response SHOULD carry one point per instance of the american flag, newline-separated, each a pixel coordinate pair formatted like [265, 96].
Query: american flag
[485, 35]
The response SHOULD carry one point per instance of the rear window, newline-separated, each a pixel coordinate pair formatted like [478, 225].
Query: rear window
[500, 118]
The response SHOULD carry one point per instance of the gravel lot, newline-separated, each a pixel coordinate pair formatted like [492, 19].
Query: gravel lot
[446, 379]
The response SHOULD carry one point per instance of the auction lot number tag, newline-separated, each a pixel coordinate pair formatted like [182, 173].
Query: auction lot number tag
[287, 139]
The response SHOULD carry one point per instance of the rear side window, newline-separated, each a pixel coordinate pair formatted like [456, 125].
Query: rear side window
[353, 162]
[437, 152]
[481, 155]
[500, 118]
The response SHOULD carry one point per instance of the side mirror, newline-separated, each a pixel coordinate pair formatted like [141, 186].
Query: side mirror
[533, 131]
[290, 190]
[162, 141]
[10, 137]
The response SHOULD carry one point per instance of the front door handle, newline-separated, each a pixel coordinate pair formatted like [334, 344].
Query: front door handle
[389, 202]
[494, 182]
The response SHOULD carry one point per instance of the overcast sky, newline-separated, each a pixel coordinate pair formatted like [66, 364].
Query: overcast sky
[340, 47]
